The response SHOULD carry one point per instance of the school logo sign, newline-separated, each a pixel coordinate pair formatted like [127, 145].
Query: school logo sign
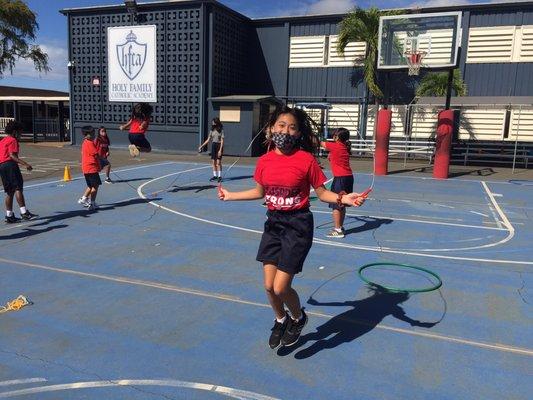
[131, 55]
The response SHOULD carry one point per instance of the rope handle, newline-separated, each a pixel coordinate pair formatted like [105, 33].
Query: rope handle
[16, 304]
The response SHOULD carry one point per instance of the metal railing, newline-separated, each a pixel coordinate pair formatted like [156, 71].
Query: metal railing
[406, 148]
[3, 122]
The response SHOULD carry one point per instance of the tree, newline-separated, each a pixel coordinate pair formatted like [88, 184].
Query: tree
[363, 26]
[18, 25]
[436, 84]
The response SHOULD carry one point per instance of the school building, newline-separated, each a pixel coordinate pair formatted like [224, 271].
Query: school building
[204, 59]
[44, 114]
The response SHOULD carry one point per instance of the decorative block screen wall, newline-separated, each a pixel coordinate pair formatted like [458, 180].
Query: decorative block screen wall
[178, 67]
[231, 38]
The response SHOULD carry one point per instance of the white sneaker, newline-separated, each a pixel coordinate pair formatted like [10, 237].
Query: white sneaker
[84, 203]
[136, 151]
[132, 149]
[336, 234]
[92, 207]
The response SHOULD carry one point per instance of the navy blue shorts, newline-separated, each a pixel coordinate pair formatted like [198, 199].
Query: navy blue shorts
[287, 239]
[215, 147]
[93, 180]
[339, 184]
[104, 162]
[11, 177]
[139, 140]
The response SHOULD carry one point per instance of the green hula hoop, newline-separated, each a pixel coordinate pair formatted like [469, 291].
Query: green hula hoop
[395, 289]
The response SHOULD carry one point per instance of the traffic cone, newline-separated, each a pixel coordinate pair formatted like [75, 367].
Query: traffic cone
[66, 174]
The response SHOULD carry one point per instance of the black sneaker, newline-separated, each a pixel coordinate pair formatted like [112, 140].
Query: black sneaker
[213, 178]
[12, 220]
[219, 179]
[277, 332]
[294, 330]
[28, 216]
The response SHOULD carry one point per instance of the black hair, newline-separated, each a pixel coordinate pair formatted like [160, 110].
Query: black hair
[142, 111]
[87, 130]
[12, 127]
[217, 123]
[306, 126]
[343, 135]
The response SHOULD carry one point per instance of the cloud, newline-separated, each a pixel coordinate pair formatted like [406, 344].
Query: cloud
[330, 6]
[439, 3]
[57, 60]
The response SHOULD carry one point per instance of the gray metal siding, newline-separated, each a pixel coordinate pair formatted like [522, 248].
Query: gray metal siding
[524, 79]
[344, 82]
[272, 57]
[490, 79]
[306, 82]
[527, 16]
[496, 18]
[313, 29]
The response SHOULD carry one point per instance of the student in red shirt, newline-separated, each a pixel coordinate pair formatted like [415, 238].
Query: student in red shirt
[102, 144]
[10, 173]
[90, 166]
[339, 159]
[283, 177]
[138, 124]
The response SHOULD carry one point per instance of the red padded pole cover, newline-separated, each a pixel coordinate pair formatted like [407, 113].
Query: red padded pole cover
[382, 141]
[443, 144]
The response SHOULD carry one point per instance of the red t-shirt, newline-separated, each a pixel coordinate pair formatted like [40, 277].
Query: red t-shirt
[8, 145]
[89, 157]
[339, 159]
[102, 145]
[287, 179]
[135, 126]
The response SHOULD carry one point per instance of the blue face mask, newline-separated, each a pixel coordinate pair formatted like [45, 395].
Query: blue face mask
[285, 142]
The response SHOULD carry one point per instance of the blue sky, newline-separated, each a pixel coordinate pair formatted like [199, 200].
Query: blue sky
[52, 34]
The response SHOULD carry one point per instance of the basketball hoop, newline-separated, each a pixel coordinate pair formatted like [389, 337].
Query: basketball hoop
[414, 61]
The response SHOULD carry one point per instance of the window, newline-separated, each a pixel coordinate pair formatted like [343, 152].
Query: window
[491, 45]
[354, 51]
[321, 51]
[230, 114]
[307, 51]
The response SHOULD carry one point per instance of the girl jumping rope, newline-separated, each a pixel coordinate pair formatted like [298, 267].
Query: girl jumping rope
[138, 124]
[339, 159]
[216, 136]
[283, 177]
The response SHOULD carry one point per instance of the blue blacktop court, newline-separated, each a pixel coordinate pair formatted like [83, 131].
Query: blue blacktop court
[157, 295]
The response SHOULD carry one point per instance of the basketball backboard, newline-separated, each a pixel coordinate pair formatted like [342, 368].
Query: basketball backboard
[436, 36]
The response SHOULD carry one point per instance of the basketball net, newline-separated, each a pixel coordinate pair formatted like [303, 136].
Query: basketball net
[414, 61]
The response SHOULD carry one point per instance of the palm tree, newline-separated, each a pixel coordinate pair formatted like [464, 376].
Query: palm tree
[18, 25]
[363, 26]
[436, 84]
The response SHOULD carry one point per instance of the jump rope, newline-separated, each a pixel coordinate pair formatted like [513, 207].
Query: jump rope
[437, 283]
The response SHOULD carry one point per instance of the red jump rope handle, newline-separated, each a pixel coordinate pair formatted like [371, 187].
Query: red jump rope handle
[220, 193]
[366, 193]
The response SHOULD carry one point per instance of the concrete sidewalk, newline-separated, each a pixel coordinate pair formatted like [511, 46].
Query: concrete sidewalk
[56, 155]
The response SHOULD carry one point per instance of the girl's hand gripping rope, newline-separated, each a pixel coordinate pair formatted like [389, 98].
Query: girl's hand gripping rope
[354, 199]
[222, 193]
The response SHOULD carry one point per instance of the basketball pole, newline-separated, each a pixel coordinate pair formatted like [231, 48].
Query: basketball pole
[443, 143]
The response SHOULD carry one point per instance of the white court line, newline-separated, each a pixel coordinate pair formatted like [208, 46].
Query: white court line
[483, 215]
[414, 220]
[21, 381]
[327, 242]
[219, 296]
[81, 177]
[227, 391]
